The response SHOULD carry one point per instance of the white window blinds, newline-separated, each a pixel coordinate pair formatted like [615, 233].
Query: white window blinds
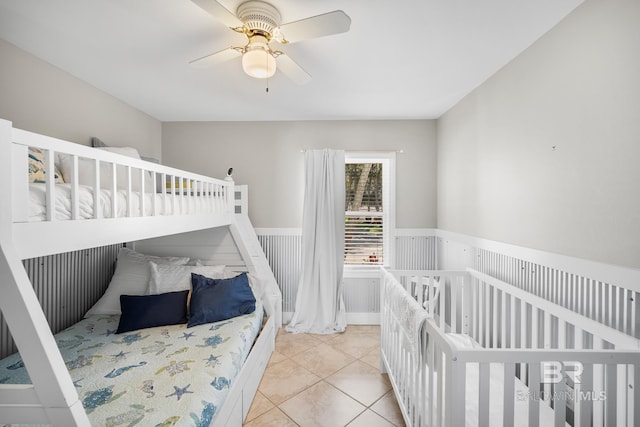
[364, 214]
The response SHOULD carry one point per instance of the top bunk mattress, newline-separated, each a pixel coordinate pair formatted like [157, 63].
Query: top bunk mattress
[142, 204]
[168, 375]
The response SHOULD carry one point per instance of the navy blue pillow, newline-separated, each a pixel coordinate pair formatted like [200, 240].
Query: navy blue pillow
[148, 311]
[213, 300]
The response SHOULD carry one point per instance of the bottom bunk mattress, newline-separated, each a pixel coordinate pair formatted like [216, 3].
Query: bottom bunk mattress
[168, 375]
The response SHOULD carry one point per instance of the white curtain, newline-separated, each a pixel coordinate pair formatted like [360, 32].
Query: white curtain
[319, 302]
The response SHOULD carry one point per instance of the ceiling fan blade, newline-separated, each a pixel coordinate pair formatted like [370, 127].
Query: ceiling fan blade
[316, 26]
[292, 70]
[216, 58]
[219, 12]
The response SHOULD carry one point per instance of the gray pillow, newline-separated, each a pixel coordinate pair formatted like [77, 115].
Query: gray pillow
[97, 142]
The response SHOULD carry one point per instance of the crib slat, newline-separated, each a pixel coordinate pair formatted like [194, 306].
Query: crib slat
[619, 309]
[466, 305]
[437, 403]
[475, 322]
[585, 406]
[636, 395]
[579, 295]
[534, 404]
[611, 375]
[562, 331]
[512, 322]
[495, 325]
[487, 314]
[484, 391]
[422, 378]
[578, 338]
[601, 315]
[523, 324]
[481, 304]
[598, 386]
[593, 298]
[455, 377]
[561, 288]
[534, 327]
[635, 316]
[555, 289]
[503, 321]
[442, 299]
[546, 339]
[573, 292]
[626, 294]
[622, 393]
[508, 412]
[454, 305]
[610, 308]
[560, 405]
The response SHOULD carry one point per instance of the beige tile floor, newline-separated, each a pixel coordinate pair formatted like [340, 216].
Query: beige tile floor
[326, 380]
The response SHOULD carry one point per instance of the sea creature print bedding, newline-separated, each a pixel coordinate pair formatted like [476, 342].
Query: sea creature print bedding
[163, 376]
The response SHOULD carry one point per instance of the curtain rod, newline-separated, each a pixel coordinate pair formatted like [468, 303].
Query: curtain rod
[400, 151]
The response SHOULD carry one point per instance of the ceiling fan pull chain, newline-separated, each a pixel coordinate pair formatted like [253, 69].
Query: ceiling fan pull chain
[267, 67]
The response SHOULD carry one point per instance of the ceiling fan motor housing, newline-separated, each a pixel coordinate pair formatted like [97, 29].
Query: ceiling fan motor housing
[259, 17]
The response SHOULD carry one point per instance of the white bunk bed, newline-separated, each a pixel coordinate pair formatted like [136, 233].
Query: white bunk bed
[465, 349]
[70, 219]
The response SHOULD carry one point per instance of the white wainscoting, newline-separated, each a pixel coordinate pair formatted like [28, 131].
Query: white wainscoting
[67, 285]
[606, 293]
[415, 249]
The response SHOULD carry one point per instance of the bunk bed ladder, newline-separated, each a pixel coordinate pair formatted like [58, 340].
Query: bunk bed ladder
[52, 397]
[247, 242]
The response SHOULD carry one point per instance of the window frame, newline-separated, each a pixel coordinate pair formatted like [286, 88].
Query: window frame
[388, 160]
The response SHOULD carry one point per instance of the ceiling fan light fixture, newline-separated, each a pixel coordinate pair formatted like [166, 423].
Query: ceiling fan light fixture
[257, 60]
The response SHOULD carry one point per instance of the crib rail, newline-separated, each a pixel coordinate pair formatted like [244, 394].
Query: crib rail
[486, 345]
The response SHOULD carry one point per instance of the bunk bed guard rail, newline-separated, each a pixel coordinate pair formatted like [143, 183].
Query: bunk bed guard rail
[101, 186]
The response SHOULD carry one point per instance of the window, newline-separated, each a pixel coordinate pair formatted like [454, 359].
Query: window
[369, 208]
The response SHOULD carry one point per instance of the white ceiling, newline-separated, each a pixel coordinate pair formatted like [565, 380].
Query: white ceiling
[402, 59]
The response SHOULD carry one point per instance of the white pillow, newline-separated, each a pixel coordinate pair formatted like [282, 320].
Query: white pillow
[130, 278]
[86, 170]
[172, 278]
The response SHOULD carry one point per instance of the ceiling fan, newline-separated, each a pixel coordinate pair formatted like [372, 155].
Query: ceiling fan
[260, 22]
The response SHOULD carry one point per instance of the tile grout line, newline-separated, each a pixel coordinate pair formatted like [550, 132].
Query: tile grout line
[323, 378]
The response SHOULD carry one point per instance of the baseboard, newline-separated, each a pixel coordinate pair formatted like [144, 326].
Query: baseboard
[352, 318]
[363, 318]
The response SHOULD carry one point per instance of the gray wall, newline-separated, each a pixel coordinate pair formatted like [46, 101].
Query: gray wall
[267, 156]
[41, 98]
[546, 153]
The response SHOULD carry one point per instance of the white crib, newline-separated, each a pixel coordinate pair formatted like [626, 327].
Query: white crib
[131, 206]
[465, 349]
